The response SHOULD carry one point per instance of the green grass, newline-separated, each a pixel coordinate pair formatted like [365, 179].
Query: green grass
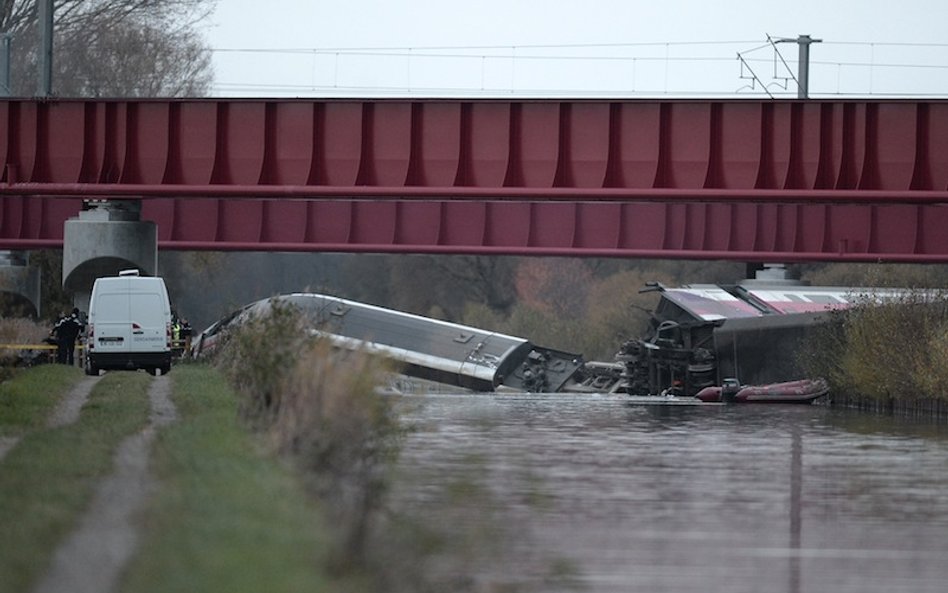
[48, 479]
[227, 516]
[28, 398]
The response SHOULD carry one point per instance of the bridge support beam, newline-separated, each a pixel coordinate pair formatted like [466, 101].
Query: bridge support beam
[21, 281]
[106, 237]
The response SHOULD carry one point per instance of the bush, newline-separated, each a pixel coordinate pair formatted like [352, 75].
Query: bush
[19, 331]
[343, 434]
[319, 407]
[892, 350]
[256, 356]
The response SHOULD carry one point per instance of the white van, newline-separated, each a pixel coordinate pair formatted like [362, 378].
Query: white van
[129, 324]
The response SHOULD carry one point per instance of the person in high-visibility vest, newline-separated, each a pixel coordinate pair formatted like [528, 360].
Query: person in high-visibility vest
[176, 336]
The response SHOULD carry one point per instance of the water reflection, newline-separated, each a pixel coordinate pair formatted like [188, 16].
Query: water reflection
[563, 493]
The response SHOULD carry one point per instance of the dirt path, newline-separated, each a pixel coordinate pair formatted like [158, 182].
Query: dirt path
[91, 559]
[65, 412]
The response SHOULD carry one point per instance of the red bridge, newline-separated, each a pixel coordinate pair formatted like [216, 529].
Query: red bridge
[746, 180]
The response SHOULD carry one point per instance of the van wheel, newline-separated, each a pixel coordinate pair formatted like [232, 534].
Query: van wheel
[153, 371]
[91, 369]
[165, 369]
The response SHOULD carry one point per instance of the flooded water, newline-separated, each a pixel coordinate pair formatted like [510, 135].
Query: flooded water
[590, 493]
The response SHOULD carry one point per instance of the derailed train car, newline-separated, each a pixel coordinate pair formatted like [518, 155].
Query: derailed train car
[426, 348]
[752, 333]
[700, 336]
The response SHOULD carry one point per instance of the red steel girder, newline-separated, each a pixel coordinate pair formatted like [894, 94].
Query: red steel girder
[777, 180]
[456, 145]
[747, 231]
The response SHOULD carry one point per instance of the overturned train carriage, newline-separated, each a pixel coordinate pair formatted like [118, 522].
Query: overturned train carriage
[699, 336]
[426, 348]
[753, 332]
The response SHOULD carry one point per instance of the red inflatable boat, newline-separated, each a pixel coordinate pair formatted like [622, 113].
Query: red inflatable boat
[803, 391]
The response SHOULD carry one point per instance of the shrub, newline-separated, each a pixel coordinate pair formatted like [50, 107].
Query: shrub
[343, 434]
[256, 356]
[319, 407]
[19, 331]
[896, 349]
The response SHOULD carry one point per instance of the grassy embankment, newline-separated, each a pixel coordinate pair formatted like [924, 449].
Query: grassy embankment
[889, 357]
[48, 478]
[226, 517]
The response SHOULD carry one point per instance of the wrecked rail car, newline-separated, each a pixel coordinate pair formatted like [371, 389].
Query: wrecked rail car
[699, 336]
[754, 332]
[426, 348]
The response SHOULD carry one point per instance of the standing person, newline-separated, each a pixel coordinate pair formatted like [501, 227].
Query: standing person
[186, 332]
[177, 347]
[67, 330]
[53, 338]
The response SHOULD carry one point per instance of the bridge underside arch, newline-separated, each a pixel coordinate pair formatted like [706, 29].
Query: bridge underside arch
[82, 276]
[16, 304]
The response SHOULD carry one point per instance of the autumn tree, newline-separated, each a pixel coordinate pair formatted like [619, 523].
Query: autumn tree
[114, 48]
[554, 285]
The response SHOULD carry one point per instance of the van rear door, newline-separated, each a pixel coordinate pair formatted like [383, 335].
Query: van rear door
[113, 332]
[149, 327]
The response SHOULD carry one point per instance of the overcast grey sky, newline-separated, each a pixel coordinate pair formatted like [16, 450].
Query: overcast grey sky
[528, 48]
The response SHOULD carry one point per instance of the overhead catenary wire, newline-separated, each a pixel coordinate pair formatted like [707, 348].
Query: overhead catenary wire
[523, 80]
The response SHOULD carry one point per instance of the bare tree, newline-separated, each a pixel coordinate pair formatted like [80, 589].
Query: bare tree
[116, 48]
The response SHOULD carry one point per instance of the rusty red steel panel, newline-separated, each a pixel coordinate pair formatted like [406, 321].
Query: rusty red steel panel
[241, 221]
[194, 142]
[535, 144]
[635, 130]
[686, 158]
[488, 127]
[387, 144]
[339, 147]
[792, 180]
[284, 221]
[586, 157]
[64, 143]
[23, 140]
[934, 145]
[330, 222]
[598, 226]
[148, 141]
[741, 144]
[289, 143]
[242, 150]
[418, 223]
[471, 234]
[507, 223]
[437, 137]
[696, 230]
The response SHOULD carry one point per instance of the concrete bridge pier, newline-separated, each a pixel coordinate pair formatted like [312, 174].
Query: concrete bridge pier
[106, 237]
[20, 282]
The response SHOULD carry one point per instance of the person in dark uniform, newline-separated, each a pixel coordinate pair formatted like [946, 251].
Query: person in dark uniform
[186, 332]
[66, 330]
